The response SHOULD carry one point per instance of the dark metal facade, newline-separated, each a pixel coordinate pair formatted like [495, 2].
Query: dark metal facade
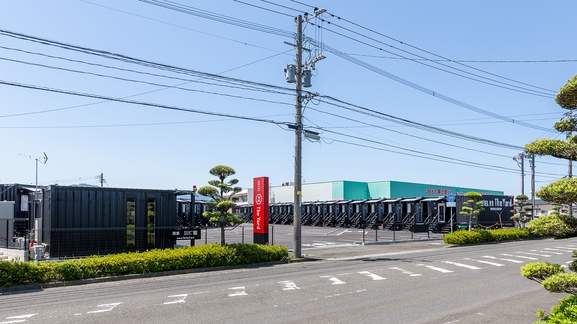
[82, 221]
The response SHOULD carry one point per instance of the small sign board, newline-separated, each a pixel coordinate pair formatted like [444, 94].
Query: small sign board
[451, 204]
[451, 198]
[185, 234]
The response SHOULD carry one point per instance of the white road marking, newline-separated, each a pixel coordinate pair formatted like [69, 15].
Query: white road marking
[18, 319]
[108, 308]
[537, 254]
[345, 231]
[492, 257]
[519, 256]
[335, 280]
[288, 285]
[462, 265]
[237, 291]
[566, 248]
[412, 274]
[562, 249]
[550, 252]
[181, 299]
[485, 262]
[551, 249]
[371, 275]
[435, 268]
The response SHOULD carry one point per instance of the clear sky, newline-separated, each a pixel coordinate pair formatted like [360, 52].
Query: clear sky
[499, 66]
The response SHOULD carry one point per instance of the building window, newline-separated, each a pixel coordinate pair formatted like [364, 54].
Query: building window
[151, 208]
[130, 212]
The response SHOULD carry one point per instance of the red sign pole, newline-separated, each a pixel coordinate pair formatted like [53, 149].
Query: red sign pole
[260, 210]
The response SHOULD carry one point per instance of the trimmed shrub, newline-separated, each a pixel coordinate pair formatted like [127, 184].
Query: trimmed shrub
[553, 225]
[563, 313]
[480, 235]
[203, 256]
[17, 273]
[561, 282]
[540, 271]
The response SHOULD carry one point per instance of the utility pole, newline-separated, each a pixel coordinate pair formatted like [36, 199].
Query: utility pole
[532, 162]
[298, 140]
[101, 180]
[521, 163]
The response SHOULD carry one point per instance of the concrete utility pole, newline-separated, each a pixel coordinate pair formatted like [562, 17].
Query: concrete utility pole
[532, 162]
[521, 163]
[298, 140]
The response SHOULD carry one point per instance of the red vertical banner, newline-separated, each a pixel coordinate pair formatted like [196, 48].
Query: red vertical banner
[260, 210]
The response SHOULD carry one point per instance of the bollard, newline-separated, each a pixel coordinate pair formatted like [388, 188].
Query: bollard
[376, 234]
[363, 236]
[206, 235]
[393, 233]
[242, 234]
[272, 236]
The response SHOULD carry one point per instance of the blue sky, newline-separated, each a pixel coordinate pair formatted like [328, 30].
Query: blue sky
[506, 61]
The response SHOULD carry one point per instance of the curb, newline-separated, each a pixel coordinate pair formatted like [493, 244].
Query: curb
[38, 287]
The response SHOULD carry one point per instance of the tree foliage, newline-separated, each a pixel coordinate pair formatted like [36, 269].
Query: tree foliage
[523, 209]
[472, 207]
[567, 95]
[223, 197]
[563, 191]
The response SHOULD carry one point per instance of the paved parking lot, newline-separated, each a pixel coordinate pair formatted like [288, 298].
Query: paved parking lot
[312, 237]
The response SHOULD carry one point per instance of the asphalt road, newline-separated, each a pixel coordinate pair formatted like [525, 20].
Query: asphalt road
[414, 282]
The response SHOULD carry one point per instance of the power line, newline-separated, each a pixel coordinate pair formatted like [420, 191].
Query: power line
[420, 49]
[378, 114]
[246, 24]
[426, 90]
[151, 83]
[464, 61]
[508, 87]
[96, 96]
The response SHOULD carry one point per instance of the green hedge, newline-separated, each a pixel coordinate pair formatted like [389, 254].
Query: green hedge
[203, 256]
[480, 235]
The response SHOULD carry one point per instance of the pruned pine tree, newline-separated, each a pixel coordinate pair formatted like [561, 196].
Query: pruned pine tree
[522, 210]
[472, 207]
[563, 191]
[223, 197]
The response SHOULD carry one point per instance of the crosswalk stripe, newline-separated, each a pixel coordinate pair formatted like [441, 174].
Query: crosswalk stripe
[462, 265]
[406, 272]
[537, 254]
[435, 268]
[519, 256]
[492, 257]
[486, 262]
[288, 285]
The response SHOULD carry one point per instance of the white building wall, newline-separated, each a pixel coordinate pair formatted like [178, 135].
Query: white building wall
[311, 192]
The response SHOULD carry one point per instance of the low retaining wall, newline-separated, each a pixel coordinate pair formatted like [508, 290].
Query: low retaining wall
[14, 255]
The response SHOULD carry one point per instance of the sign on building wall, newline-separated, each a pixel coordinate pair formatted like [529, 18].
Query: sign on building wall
[260, 210]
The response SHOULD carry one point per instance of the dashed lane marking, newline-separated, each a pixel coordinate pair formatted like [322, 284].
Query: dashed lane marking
[18, 319]
[237, 291]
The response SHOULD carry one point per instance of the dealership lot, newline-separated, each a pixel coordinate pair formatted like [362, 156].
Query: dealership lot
[312, 237]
